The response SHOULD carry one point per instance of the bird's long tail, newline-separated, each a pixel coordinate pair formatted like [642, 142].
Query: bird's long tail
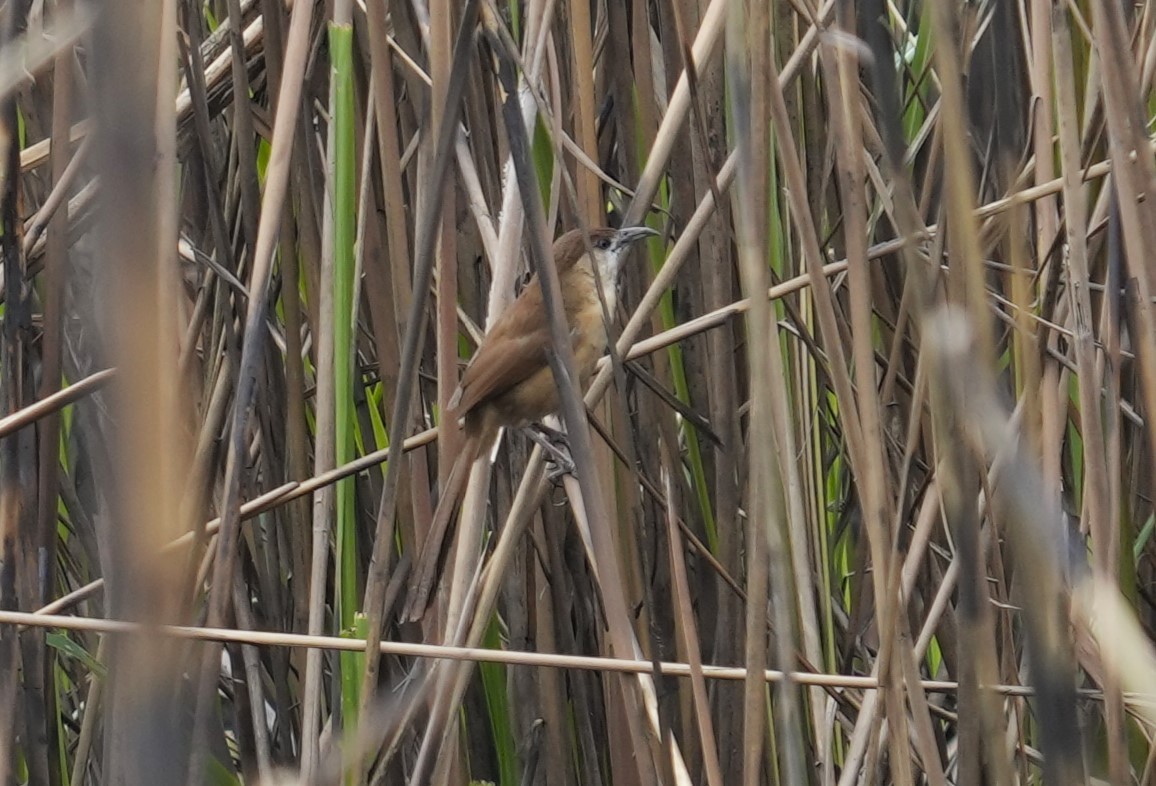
[426, 569]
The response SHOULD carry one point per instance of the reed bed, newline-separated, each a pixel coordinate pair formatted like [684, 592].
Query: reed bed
[862, 493]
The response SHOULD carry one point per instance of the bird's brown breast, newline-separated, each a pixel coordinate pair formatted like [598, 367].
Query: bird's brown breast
[509, 382]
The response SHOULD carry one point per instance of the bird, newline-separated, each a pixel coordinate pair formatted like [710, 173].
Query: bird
[509, 384]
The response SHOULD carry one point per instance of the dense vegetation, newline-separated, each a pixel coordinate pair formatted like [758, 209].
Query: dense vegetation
[891, 523]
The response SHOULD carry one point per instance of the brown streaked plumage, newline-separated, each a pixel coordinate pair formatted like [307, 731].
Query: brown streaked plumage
[509, 383]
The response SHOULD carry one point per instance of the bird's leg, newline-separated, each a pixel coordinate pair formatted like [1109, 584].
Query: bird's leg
[557, 448]
[556, 437]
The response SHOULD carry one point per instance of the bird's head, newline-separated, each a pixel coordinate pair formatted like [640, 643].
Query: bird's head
[608, 247]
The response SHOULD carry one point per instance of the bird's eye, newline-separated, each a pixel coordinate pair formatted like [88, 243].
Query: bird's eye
[603, 243]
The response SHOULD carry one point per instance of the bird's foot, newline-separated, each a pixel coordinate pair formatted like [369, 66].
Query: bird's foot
[556, 470]
[557, 448]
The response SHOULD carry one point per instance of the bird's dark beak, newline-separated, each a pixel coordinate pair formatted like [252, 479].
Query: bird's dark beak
[632, 234]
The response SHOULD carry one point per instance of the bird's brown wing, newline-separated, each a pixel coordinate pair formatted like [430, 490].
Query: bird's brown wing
[511, 352]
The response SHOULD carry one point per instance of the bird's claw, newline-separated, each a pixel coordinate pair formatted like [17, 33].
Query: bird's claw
[558, 468]
[557, 448]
